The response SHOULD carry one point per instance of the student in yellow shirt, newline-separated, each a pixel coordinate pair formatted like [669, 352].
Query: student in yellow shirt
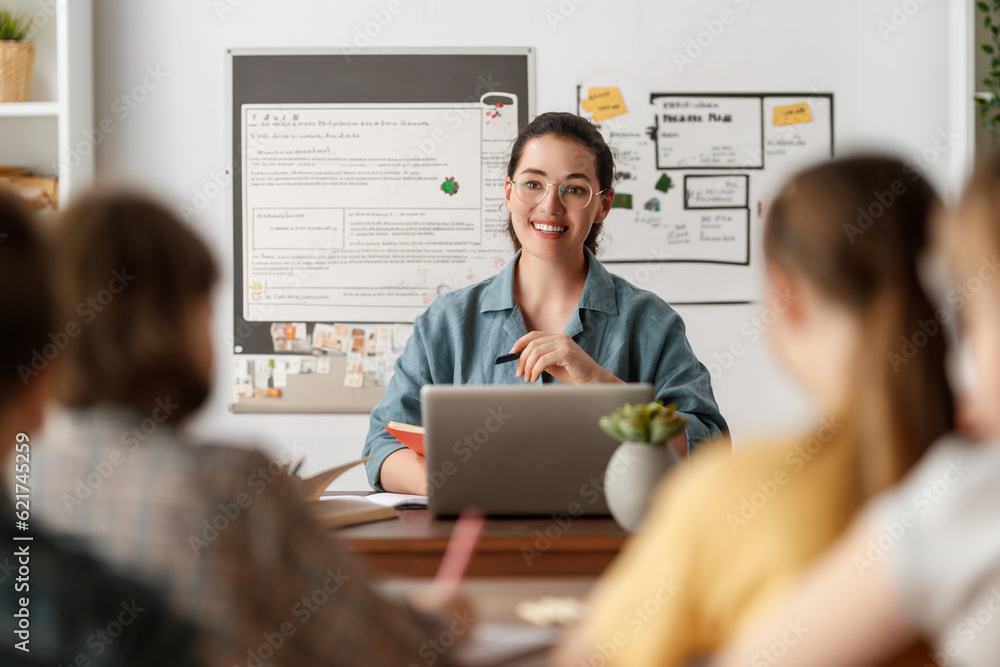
[728, 535]
[924, 557]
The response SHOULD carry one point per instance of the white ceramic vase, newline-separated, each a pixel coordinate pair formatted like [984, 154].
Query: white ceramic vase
[631, 477]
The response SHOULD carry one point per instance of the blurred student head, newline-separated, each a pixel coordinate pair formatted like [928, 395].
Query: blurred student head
[970, 238]
[138, 283]
[842, 243]
[26, 320]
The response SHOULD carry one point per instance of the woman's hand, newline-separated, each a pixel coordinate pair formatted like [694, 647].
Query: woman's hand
[560, 357]
[404, 471]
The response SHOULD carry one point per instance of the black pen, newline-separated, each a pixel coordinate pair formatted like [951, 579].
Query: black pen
[504, 358]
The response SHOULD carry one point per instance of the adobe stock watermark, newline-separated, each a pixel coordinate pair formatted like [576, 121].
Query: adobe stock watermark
[958, 297]
[899, 16]
[219, 181]
[923, 502]
[967, 630]
[752, 331]
[564, 10]
[102, 638]
[634, 620]
[285, 279]
[752, 504]
[121, 108]
[778, 649]
[455, 118]
[713, 30]
[370, 31]
[644, 273]
[46, 12]
[302, 611]
[590, 492]
[85, 486]
[231, 509]
[913, 169]
[434, 649]
[466, 448]
[223, 7]
[7, 569]
[87, 310]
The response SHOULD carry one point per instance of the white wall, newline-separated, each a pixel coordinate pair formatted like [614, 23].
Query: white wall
[891, 91]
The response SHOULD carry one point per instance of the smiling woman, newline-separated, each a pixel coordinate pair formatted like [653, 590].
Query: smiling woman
[554, 303]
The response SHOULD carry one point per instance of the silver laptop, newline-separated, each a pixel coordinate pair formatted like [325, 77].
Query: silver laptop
[520, 450]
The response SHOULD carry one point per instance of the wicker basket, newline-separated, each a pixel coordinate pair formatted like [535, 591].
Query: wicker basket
[16, 61]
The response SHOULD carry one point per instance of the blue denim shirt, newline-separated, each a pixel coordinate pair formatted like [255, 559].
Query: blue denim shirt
[630, 332]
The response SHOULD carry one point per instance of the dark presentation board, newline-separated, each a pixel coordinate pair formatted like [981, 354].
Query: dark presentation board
[375, 76]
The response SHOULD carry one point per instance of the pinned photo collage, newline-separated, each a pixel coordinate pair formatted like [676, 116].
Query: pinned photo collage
[267, 377]
[370, 349]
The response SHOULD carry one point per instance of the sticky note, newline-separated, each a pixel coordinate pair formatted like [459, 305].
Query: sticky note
[604, 103]
[793, 114]
[621, 201]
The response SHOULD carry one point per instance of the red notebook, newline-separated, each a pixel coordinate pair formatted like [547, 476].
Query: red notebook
[407, 434]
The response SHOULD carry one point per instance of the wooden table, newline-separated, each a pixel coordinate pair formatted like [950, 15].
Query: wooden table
[413, 544]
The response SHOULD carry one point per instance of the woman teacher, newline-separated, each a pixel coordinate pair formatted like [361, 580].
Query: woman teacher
[554, 303]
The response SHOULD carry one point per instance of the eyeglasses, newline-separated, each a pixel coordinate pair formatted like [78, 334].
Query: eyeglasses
[574, 195]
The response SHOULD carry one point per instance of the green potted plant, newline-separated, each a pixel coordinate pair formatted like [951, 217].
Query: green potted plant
[639, 463]
[17, 56]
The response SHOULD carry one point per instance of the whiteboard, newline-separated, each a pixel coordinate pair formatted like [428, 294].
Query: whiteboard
[695, 172]
[367, 212]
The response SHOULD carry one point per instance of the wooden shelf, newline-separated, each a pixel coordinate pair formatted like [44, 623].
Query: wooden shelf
[29, 110]
[49, 135]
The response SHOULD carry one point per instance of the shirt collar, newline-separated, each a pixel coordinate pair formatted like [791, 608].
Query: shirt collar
[598, 291]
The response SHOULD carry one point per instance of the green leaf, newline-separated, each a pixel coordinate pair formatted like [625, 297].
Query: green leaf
[666, 426]
[652, 422]
[987, 48]
[14, 27]
[983, 7]
[609, 426]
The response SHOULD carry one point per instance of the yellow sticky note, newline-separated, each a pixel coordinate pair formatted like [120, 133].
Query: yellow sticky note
[793, 114]
[604, 103]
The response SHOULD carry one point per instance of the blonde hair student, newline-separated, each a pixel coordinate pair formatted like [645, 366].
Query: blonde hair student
[924, 558]
[726, 537]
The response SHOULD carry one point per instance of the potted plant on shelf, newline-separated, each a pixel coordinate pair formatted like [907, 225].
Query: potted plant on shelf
[639, 463]
[17, 56]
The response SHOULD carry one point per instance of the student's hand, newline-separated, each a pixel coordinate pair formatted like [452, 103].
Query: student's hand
[560, 357]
